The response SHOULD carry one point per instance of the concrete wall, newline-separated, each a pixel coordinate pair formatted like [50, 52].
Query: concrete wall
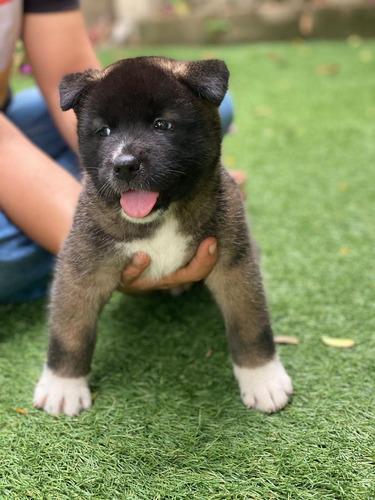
[233, 21]
[135, 9]
[94, 10]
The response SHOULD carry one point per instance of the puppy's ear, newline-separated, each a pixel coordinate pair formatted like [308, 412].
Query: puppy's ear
[75, 85]
[208, 79]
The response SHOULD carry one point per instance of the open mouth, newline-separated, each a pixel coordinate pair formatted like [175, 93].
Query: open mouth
[138, 204]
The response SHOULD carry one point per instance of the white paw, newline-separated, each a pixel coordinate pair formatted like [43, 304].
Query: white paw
[266, 388]
[62, 395]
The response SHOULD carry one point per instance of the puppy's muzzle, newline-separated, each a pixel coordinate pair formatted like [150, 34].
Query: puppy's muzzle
[126, 167]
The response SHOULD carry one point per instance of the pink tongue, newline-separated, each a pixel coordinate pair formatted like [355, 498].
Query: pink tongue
[138, 203]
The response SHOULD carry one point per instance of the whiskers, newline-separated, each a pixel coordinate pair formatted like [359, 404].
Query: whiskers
[180, 172]
[106, 191]
[149, 180]
[168, 174]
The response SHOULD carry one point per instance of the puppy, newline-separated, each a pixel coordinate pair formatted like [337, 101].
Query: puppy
[150, 141]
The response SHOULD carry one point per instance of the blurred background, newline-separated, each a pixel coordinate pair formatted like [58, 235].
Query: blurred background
[225, 21]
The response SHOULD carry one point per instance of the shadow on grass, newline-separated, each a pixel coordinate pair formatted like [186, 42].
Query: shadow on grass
[150, 348]
[161, 342]
[22, 318]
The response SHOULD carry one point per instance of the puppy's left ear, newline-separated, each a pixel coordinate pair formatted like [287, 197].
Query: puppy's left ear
[75, 85]
[208, 79]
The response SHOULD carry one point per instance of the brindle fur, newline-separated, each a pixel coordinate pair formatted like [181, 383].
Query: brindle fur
[90, 263]
[89, 271]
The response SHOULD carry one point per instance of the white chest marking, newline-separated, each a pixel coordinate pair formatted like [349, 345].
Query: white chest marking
[167, 249]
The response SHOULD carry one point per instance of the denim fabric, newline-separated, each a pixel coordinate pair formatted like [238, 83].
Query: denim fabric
[25, 267]
[226, 111]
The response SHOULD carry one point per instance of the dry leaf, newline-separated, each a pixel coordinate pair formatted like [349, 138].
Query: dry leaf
[94, 395]
[20, 411]
[277, 59]
[354, 40]
[230, 161]
[284, 339]
[209, 353]
[327, 69]
[210, 54]
[337, 342]
[263, 111]
[342, 186]
[344, 251]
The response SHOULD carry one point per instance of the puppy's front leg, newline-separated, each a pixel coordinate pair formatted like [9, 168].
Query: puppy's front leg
[263, 381]
[77, 300]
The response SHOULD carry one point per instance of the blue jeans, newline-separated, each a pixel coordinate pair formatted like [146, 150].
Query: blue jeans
[25, 267]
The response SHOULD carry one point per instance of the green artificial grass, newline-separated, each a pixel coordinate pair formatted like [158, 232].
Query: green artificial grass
[168, 422]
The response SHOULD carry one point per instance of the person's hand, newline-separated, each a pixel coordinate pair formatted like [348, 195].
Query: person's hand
[196, 270]
[240, 179]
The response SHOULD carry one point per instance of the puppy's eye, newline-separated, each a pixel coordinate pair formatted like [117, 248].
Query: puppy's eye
[104, 132]
[160, 124]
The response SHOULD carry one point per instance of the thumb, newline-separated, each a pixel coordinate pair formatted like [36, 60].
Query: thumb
[136, 267]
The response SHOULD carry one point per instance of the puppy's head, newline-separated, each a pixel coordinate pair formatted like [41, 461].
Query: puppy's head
[148, 128]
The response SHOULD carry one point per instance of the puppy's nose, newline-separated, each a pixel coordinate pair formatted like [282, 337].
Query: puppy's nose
[126, 167]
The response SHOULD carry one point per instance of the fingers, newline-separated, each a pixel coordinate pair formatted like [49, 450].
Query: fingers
[133, 271]
[198, 268]
[239, 177]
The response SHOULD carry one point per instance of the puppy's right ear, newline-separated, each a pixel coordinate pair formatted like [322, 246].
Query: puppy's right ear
[75, 85]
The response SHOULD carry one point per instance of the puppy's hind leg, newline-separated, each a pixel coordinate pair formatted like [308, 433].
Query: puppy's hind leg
[76, 303]
[263, 381]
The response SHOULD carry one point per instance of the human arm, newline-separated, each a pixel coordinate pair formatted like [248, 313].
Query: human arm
[35, 192]
[57, 43]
